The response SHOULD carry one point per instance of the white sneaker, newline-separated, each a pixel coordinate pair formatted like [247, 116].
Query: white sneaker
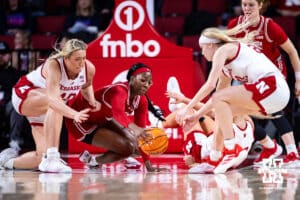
[232, 158]
[53, 163]
[7, 154]
[173, 86]
[132, 163]
[88, 159]
[202, 168]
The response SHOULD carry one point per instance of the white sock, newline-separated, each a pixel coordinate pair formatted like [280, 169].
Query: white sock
[269, 144]
[9, 164]
[291, 148]
[215, 155]
[52, 149]
[229, 143]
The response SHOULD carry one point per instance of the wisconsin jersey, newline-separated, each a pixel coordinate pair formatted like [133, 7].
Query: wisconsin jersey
[268, 36]
[115, 103]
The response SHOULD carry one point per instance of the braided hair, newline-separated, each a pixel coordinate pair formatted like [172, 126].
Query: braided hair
[155, 111]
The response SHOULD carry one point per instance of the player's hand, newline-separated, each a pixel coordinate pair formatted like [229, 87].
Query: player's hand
[178, 98]
[180, 115]
[150, 168]
[189, 160]
[82, 115]
[96, 105]
[189, 122]
[145, 136]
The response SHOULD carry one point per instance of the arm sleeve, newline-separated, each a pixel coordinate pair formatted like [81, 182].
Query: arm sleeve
[141, 113]
[118, 97]
[232, 23]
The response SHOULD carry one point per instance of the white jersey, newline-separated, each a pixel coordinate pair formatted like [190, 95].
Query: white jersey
[199, 146]
[244, 136]
[248, 65]
[69, 88]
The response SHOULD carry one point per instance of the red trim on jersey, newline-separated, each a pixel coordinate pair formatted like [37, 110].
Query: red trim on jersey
[257, 95]
[21, 92]
[86, 72]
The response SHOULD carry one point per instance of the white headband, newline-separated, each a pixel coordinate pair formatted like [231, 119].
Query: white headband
[206, 40]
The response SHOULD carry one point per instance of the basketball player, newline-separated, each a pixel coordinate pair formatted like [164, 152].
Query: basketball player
[264, 90]
[41, 96]
[269, 39]
[199, 140]
[122, 119]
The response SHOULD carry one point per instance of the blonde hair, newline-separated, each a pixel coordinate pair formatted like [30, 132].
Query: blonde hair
[69, 47]
[228, 35]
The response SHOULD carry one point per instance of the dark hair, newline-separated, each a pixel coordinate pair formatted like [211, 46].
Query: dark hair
[133, 68]
[155, 111]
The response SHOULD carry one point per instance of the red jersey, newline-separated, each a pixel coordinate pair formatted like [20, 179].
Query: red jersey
[115, 103]
[268, 38]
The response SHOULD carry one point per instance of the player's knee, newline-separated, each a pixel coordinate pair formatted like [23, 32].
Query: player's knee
[128, 148]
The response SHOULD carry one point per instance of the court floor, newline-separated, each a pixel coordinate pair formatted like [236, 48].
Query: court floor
[114, 181]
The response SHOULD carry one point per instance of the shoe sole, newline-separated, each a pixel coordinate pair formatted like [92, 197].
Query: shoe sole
[220, 169]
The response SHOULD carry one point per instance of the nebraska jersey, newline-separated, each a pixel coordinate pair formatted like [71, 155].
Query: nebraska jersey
[248, 65]
[69, 88]
[244, 136]
[199, 146]
[268, 37]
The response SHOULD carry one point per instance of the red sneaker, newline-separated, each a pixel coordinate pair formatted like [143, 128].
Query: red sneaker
[291, 160]
[268, 153]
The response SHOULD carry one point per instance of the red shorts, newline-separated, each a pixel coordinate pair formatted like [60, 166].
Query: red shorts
[79, 130]
[190, 146]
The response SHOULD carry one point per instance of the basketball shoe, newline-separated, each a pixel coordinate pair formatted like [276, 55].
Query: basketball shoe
[51, 162]
[88, 159]
[268, 153]
[202, 168]
[173, 86]
[291, 160]
[131, 163]
[6, 155]
[231, 158]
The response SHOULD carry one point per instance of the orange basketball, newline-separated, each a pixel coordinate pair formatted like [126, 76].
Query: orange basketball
[158, 144]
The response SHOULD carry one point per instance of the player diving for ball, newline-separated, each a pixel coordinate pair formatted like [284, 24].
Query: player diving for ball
[123, 119]
[199, 141]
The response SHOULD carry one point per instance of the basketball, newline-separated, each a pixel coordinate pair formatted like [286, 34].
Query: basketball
[156, 145]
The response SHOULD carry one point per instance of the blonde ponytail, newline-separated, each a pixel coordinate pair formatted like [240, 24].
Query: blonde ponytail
[70, 46]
